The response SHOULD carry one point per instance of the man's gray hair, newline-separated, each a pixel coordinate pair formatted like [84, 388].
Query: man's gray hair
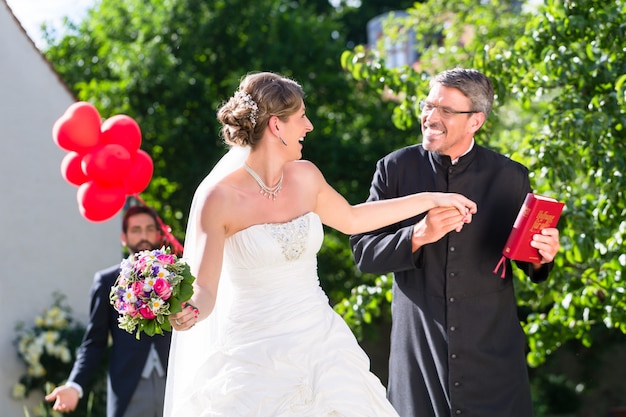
[472, 83]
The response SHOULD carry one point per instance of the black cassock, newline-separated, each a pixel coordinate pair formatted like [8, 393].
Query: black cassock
[457, 346]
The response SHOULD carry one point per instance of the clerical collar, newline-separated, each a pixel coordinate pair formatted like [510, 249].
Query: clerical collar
[456, 161]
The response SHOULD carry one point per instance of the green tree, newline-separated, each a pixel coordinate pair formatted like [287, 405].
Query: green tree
[170, 64]
[559, 76]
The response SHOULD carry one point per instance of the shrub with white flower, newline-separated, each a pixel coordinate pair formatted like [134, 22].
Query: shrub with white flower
[48, 350]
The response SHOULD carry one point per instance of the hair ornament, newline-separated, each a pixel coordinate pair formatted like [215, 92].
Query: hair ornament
[250, 104]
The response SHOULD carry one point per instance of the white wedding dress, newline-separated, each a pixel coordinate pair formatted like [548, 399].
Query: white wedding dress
[281, 349]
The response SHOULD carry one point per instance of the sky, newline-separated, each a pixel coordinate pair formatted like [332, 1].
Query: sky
[32, 13]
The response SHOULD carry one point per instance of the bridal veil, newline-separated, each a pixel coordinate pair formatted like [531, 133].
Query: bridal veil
[189, 349]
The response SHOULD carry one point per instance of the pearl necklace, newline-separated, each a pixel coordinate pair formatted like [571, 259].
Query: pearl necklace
[269, 192]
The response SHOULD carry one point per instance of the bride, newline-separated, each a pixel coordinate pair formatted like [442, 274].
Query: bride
[264, 340]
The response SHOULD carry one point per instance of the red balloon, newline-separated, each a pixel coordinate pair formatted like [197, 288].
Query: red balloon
[108, 164]
[98, 202]
[140, 173]
[71, 169]
[122, 130]
[78, 129]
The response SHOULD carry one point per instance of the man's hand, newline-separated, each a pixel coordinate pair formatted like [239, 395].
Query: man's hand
[65, 398]
[438, 222]
[547, 243]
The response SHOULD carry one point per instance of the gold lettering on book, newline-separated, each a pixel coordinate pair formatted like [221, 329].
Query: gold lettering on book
[543, 220]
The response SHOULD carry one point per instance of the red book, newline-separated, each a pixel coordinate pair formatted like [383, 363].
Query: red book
[537, 213]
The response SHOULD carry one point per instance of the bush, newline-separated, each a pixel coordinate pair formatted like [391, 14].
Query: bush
[48, 350]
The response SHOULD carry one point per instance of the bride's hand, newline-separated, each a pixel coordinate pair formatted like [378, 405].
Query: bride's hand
[186, 319]
[464, 205]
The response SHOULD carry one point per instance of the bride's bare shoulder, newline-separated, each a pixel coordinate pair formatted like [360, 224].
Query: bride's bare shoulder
[303, 167]
[222, 195]
[301, 164]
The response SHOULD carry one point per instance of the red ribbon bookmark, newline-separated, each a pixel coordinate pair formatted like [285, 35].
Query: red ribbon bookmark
[501, 263]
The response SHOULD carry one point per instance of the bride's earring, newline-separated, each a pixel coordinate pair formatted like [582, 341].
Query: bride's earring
[281, 139]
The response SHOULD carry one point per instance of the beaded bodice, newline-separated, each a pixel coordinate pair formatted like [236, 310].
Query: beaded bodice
[275, 248]
[291, 236]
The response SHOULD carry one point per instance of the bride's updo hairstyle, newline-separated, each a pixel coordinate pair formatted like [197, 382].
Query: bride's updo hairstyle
[260, 95]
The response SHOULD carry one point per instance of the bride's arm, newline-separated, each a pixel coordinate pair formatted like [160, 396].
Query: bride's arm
[206, 266]
[335, 211]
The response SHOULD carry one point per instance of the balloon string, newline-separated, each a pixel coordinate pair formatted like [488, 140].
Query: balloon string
[175, 245]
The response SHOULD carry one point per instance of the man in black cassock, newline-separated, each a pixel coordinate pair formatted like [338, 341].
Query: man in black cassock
[457, 346]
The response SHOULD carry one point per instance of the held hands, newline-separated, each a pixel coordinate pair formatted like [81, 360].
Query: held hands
[186, 319]
[547, 243]
[464, 205]
[65, 399]
[452, 211]
[437, 223]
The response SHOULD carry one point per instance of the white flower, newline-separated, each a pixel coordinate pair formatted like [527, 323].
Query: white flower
[156, 304]
[162, 272]
[148, 283]
[126, 268]
[33, 353]
[25, 342]
[19, 391]
[36, 370]
[49, 339]
[129, 296]
[65, 355]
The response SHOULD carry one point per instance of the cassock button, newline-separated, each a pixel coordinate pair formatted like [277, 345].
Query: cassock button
[452, 275]
[457, 384]
[452, 299]
[452, 328]
[452, 249]
[457, 412]
[453, 356]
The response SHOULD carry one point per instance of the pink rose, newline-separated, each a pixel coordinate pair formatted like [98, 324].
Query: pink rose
[167, 258]
[162, 288]
[131, 310]
[146, 312]
[141, 263]
[137, 289]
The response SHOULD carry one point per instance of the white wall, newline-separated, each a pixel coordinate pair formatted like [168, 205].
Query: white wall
[45, 244]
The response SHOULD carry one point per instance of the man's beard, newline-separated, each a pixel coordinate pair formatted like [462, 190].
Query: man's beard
[143, 245]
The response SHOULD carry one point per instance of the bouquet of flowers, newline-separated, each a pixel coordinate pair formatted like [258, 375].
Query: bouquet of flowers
[151, 286]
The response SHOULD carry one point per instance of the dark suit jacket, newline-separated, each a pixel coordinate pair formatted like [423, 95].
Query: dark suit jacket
[127, 356]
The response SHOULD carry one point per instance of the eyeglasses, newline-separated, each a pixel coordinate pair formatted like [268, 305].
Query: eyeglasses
[427, 108]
